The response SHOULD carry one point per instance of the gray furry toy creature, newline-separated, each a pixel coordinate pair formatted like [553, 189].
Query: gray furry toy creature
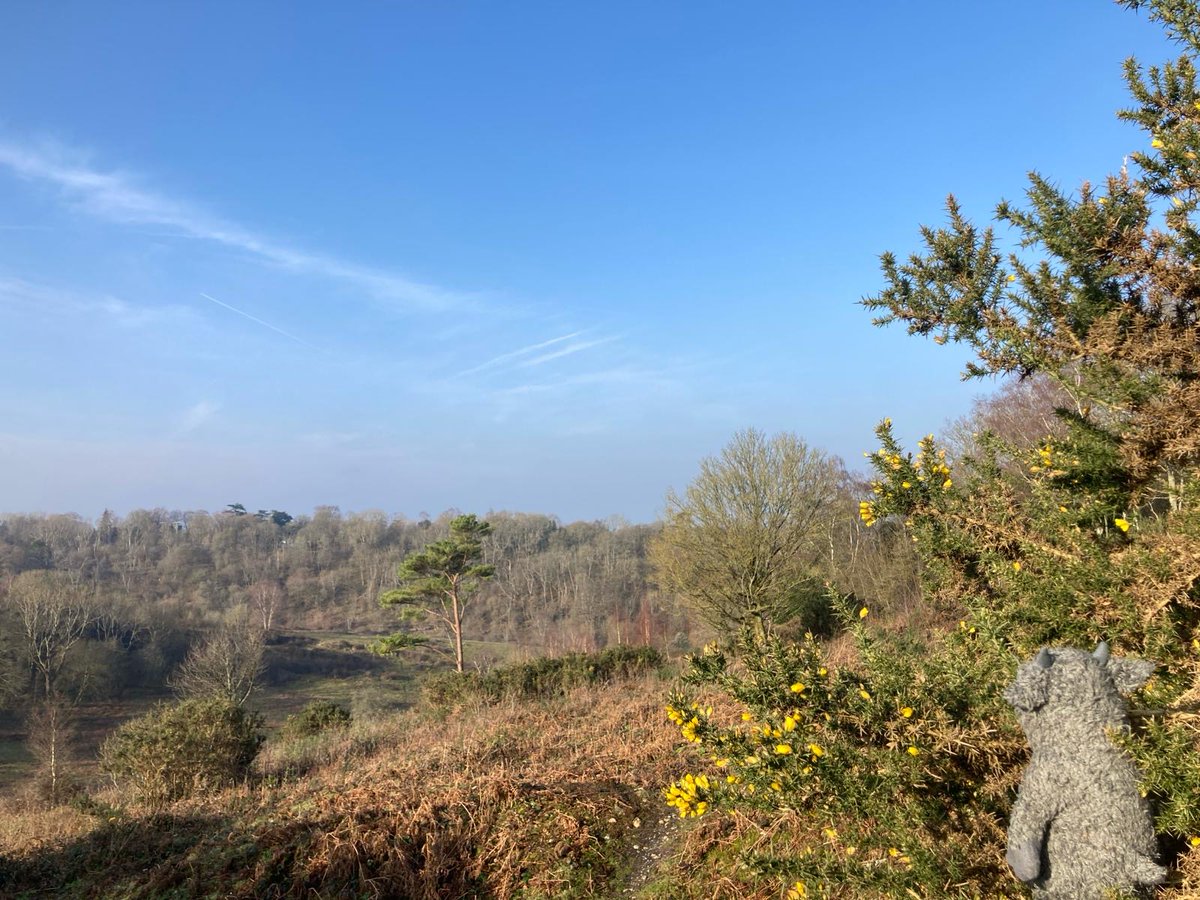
[1079, 827]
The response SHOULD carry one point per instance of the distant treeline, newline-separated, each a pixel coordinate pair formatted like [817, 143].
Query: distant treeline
[162, 579]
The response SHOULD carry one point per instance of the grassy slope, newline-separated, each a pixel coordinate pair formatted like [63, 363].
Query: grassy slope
[556, 798]
[534, 799]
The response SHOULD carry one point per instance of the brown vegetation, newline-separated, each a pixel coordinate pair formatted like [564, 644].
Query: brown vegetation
[531, 799]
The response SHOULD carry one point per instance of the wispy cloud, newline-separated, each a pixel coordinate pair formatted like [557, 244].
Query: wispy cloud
[631, 375]
[116, 197]
[42, 298]
[331, 440]
[259, 321]
[196, 415]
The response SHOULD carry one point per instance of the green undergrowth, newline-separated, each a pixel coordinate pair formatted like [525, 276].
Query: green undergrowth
[550, 676]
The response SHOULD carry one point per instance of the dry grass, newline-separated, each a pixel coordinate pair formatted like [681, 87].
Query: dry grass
[27, 827]
[518, 800]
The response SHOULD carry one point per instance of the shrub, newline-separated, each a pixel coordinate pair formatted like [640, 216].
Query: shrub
[176, 751]
[317, 716]
[551, 676]
[889, 764]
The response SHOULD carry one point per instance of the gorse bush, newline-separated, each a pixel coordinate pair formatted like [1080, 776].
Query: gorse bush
[316, 717]
[551, 676]
[899, 789]
[180, 750]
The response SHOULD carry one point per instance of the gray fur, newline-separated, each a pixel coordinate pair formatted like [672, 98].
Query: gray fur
[1079, 827]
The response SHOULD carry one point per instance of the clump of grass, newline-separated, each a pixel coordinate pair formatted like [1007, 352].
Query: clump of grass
[294, 752]
[27, 826]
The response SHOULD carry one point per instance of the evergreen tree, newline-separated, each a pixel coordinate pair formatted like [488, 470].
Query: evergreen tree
[440, 580]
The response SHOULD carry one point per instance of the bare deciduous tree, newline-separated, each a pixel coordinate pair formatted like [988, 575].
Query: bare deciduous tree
[746, 538]
[266, 596]
[50, 728]
[228, 664]
[54, 615]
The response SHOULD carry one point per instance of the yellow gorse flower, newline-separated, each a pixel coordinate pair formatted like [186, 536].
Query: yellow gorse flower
[1123, 524]
[783, 749]
[688, 795]
[689, 730]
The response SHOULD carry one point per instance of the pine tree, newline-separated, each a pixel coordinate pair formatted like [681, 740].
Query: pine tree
[440, 580]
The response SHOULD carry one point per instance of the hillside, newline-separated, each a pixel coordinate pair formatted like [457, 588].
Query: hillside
[555, 797]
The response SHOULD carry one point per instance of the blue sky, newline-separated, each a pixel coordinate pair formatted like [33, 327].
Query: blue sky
[534, 256]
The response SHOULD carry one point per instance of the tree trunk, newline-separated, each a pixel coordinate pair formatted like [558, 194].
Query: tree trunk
[458, 640]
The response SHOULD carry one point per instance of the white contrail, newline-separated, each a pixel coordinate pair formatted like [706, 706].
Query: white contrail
[514, 354]
[260, 322]
[565, 351]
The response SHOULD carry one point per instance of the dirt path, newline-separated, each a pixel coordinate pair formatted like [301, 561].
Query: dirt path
[655, 840]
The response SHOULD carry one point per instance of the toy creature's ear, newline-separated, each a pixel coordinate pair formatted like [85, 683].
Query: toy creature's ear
[1129, 674]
